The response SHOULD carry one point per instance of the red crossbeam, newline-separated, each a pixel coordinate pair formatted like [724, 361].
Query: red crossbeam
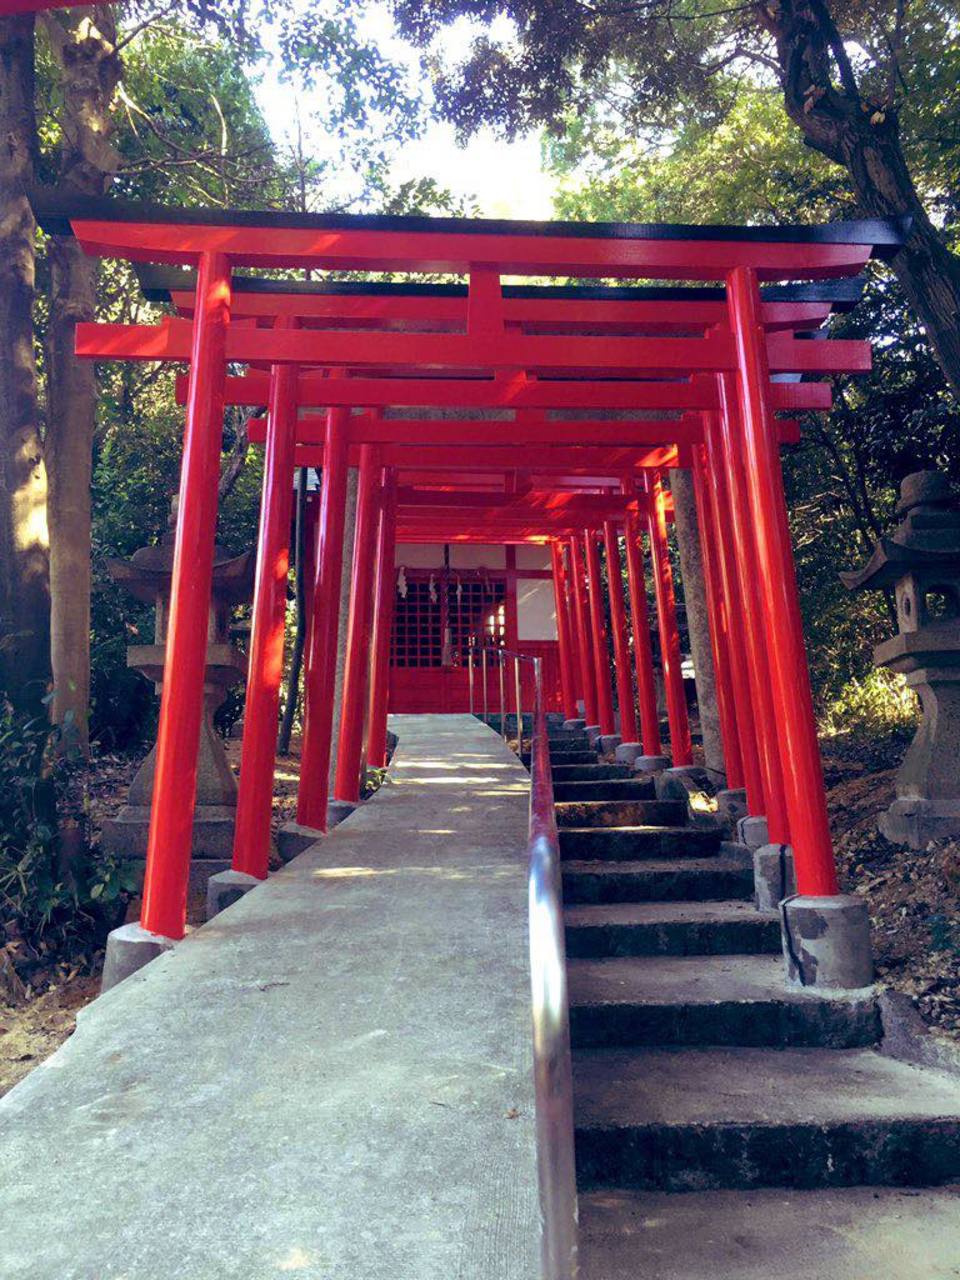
[564, 315]
[518, 392]
[481, 437]
[625, 357]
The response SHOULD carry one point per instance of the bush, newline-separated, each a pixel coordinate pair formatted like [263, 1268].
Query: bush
[57, 897]
[876, 713]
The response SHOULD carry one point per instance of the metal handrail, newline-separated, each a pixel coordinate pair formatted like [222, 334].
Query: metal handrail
[552, 1067]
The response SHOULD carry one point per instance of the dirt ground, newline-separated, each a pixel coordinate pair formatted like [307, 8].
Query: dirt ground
[914, 895]
[914, 900]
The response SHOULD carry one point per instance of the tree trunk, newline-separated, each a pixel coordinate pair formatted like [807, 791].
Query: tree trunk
[24, 580]
[687, 530]
[863, 136]
[83, 43]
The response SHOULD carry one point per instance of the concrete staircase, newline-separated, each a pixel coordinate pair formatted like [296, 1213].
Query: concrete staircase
[799, 1148]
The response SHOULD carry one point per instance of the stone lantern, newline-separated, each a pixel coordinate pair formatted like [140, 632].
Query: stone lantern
[921, 561]
[147, 575]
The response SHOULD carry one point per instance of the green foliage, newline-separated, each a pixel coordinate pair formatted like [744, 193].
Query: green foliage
[53, 891]
[746, 167]
[876, 708]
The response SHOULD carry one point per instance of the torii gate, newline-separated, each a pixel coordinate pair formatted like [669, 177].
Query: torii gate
[721, 363]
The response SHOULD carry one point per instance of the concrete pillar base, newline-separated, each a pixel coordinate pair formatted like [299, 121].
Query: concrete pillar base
[574, 726]
[650, 764]
[609, 742]
[338, 811]
[774, 875]
[627, 752]
[752, 831]
[129, 948]
[826, 942]
[226, 888]
[731, 806]
[292, 839]
[593, 734]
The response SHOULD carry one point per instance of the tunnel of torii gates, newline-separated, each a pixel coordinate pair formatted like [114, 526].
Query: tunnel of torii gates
[588, 396]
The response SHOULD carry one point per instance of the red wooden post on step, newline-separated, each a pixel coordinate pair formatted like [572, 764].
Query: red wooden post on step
[251, 843]
[618, 624]
[745, 556]
[584, 647]
[793, 701]
[346, 784]
[598, 631]
[181, 705]
[320, 670]
[720, 522]
[642, 652]
[385, 596]
[568, 693]
[681, 750]
[718, 612]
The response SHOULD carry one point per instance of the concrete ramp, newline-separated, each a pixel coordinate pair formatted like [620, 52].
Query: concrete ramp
[330, 1080]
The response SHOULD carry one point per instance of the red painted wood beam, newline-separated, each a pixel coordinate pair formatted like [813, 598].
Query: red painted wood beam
[626, 357]
[516, 392]
[653, 316]
[477, 434]
[342, 247]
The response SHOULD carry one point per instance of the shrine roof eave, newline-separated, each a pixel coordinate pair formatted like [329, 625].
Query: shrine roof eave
[376, 242]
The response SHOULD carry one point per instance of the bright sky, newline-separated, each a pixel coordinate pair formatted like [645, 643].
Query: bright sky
[505, 179]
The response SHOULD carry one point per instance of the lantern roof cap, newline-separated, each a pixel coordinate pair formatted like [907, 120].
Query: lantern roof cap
[928, 535]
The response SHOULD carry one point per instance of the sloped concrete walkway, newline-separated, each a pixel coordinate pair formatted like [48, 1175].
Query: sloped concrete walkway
[332, 1079]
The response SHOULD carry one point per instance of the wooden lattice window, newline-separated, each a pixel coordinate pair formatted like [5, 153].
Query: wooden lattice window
[441, 612]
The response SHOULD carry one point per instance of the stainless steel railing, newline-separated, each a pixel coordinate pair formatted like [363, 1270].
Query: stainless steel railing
[553, 1074]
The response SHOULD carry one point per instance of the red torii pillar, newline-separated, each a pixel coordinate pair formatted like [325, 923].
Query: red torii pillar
[181, 706]
[568, 691]
[346, 784]
[320, 669]
[385, 597]
[754, 432]
[719, 629]
[584, 648]
[598, 631]
[745, 558]
[251, 844]
[642, 652]
[826, 935]
[681, 749]
[618, 624]
[718, 520]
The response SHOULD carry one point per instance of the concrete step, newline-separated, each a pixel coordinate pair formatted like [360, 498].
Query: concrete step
[564, 758]
[702, 1119]
[691, 879]
[608, 790]
[645, 811]
[568, 741]
[670, 928]
[630, 844]
[708, 1000]
[846, 1233]
[590, 772]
